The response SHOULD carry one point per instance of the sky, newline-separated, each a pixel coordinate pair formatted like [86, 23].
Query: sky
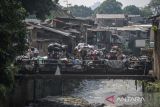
[138, 3]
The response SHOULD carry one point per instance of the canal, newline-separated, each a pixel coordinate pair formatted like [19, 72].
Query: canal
[113, 93]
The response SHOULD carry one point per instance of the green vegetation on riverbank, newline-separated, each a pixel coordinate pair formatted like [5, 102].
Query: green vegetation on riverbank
[13, 36]
[151, 86]
[12, 43]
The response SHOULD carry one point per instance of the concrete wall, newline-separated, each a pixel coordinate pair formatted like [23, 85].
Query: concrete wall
[28, 90]
[157, 54]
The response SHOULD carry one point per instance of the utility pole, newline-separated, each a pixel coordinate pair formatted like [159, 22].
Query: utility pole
[67, 4]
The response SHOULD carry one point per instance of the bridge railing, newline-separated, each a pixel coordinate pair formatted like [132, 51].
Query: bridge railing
[105, 66]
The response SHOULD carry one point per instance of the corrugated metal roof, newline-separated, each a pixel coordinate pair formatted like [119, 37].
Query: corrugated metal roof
[144, 25]
[49, 29]
[73, 31]
[56, 31]
[45, 40]
[134, 15]
[36, 21]
[110, 16]
[132, 28]
[128, 28]
[96, 29]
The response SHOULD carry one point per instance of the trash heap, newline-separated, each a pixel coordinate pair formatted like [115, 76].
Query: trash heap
[87, 52]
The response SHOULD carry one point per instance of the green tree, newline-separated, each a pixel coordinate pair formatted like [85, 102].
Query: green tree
[81, 11]
[132, 9]
[155, 6]
[109, 7]
[146, 11]
[41, 8]
[12, 42]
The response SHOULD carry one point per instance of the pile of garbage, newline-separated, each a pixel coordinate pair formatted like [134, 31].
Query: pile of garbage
[86, 57]
[56, 51]
[87, 52]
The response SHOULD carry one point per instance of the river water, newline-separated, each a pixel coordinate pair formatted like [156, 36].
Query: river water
[112, 93]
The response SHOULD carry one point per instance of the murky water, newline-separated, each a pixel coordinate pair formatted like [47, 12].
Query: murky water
[113, 93]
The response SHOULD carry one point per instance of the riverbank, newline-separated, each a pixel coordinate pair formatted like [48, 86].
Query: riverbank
[152, 86]
[65, 101]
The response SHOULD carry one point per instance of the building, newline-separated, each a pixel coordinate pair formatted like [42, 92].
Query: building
[111, 20]
[40, 37]
[135, 19]
[132, 33]
[77, 20]
[79, 24]
[102, 38]
[135, 31]
[155, 35]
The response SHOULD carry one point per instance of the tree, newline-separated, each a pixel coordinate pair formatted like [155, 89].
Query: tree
[41, 8]
[146, 11]
[155, 6]
[12, 42]
[132, 9]
[81, 11]
[109, 7]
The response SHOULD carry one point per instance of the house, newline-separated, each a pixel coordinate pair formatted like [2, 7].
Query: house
[132, 33]
[135, 31]
[135, 18]
[77, 20]
[111, 20]
[155, 35]
[79, 24]
[41, 36]
[102, 38]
